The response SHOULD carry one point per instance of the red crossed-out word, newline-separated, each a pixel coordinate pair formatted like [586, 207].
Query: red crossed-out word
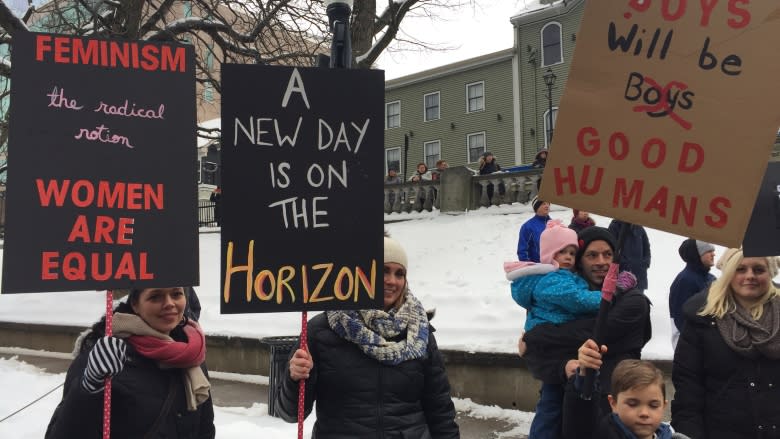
[663, 104]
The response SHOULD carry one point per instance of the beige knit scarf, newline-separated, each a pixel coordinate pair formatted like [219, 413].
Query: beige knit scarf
[196, 385]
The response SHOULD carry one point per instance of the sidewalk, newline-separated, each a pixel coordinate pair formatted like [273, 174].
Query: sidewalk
[240, 394]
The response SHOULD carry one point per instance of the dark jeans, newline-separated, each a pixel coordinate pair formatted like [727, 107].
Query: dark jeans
[549, 412]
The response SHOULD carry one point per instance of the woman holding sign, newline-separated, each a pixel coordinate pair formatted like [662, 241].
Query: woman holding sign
[159, 380]
[373, 372]
[726, 370]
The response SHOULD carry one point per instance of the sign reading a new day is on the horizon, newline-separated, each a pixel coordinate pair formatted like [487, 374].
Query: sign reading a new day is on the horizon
[102, 165]
[667, 117]
[302, 152]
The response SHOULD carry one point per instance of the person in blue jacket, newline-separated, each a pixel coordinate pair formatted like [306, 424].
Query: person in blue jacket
[699, 257]
[531, 232]
[635, 253]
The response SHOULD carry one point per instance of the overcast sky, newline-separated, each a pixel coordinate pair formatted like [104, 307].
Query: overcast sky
[468, 32]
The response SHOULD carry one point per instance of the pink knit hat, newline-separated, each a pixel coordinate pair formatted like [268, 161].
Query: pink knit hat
[555, 238]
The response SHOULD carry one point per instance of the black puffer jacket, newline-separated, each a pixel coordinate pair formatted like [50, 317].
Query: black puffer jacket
[628, 329]
[358, 397]
[137, 397]
[718, 393]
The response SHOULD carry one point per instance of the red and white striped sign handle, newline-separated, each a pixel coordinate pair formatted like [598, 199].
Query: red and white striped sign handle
[302, 383]
[107, 391]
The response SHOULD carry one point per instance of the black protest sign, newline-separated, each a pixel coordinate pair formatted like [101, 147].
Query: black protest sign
[762, 237]
[102, 165]
[302, 218]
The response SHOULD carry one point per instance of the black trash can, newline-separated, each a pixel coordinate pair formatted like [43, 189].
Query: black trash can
[279, 351]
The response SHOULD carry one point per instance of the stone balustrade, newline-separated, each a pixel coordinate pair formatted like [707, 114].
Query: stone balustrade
[459, 190]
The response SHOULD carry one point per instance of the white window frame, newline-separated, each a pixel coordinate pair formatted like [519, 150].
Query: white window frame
[546, 123]
[545, 63]
[387, 162]
[469, 136]
[387, 114]
[425, 107]
[468, 99]
[425, 153]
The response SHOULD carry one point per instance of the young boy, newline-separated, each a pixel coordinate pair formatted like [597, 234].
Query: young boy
[638, 400]
[551, 292]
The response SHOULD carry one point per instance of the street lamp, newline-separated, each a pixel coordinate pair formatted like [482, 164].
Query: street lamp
[338, 18]
[549, 80]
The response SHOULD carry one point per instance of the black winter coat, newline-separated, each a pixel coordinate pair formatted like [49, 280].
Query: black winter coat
[358, 397]
[695, 277]
[628, 329]
[718, 393]
[635, 255]
[137, 397]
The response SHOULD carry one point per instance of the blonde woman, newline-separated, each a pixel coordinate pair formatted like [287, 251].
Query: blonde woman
[726, 370]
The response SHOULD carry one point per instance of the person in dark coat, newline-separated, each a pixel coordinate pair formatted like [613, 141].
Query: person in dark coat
[552, 349]
[530, 233]
[581, 220]
[540, 161]
[637, 401]
[216, 198]
[635, 254]
[726, 368]
[699, 257]
[373, 373]
[488, 165]
[160, 382]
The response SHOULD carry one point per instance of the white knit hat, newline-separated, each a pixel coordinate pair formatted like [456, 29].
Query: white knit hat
[395, 253]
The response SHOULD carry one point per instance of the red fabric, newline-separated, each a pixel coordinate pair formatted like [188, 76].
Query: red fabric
[172, 353]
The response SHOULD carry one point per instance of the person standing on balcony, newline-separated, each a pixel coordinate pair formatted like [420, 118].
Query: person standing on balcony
[441, 166]
[216, 198]
[489, 165]
[531, 232]
[421, 174]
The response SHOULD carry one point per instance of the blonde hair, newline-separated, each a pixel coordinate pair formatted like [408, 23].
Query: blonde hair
[720, 297]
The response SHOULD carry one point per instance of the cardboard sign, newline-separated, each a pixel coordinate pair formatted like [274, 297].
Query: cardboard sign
[302, 219]
[102, 165]
[762, 237]
[666, 120]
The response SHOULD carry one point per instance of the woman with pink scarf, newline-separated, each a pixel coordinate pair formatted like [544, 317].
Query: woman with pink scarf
[156, 362]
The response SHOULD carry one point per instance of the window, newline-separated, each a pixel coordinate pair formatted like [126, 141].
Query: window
[431, 106]
[432, 153]
[475, 97]
[476, 144]
[393, 159]
[208, 172]
[393, 114]
[548, 130]
[552, 52]
[208, 87]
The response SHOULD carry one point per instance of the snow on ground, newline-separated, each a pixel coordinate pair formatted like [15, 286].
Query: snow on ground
[22, 383]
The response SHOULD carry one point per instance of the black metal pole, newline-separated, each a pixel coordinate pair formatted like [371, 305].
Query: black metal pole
[406, 154]
[341, 47]
[549, 114]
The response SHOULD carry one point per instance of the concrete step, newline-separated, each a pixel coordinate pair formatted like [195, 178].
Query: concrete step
[229, 393]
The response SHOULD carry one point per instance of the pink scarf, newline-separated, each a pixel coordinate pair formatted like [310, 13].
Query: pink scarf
[174, 354]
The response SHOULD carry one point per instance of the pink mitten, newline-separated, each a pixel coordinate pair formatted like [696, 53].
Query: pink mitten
[626, 281]
[608, 287]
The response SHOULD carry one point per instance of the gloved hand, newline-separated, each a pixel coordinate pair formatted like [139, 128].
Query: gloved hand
[626, 281]
[107, 358]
